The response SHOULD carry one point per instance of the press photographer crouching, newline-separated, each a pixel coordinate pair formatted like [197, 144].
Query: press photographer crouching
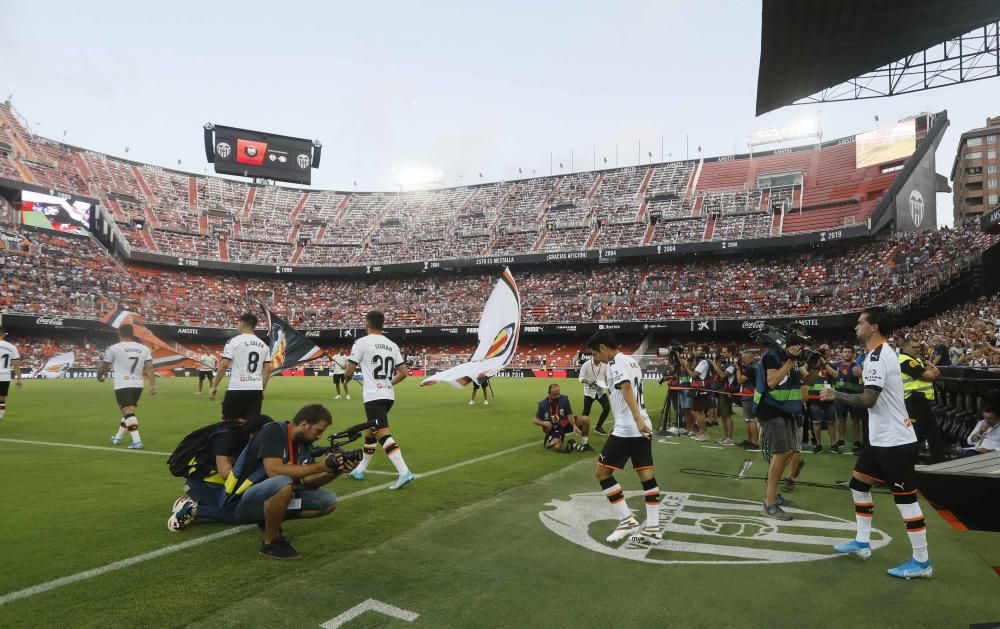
[777, 401]
[276, 477]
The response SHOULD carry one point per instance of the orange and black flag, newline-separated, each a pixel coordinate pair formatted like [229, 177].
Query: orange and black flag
[289, 347]
[166, 354]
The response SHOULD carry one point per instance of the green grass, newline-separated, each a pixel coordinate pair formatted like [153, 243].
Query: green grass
[463, 547]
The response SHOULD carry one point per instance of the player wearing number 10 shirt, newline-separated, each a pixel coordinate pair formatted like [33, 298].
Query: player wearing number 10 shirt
[383, 368]
[129, 359]
[249, 360]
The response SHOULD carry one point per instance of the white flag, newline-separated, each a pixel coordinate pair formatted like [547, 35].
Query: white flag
[499, 330]
[57, 366]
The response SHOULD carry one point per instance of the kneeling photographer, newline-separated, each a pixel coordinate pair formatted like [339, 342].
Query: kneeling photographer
[778, 399]
[276, 477]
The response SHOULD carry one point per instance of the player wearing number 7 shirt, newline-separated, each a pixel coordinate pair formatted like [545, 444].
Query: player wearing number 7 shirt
[130, 359]
[383, 368]
[249, 360]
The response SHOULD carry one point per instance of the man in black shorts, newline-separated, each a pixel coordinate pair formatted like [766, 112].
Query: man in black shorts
[249, 360]
[892, 452]
[483, 383]
[630, 439]
[129, 359]
[383, 368]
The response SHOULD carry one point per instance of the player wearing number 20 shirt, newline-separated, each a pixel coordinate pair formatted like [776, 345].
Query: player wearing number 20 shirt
[249, 360]
[382, 368]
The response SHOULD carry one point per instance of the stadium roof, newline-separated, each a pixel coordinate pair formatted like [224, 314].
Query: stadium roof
[810, 45]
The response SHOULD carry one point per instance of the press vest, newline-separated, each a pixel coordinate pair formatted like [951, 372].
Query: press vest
[787, 396]
[913, 385]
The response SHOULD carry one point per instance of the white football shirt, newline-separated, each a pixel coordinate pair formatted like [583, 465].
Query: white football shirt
[248, 354]
[339, 363]
[591, 371]
[8, 354]
[128, 359]
[888, 422]
[378, 358]
[207, 363]
[622, 369]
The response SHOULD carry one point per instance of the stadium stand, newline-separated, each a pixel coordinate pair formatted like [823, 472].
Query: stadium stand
[731, 197]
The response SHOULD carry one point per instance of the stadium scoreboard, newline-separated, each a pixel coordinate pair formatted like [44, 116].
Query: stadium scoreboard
[261, 155]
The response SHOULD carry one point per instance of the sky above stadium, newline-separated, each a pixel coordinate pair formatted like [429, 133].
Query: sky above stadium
[394, 87]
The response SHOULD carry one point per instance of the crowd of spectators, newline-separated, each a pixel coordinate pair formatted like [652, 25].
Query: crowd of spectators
[50, 274]
[965, 336]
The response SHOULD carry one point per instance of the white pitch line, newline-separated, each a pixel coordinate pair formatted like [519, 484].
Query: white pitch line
[83, 447]
[167, 550]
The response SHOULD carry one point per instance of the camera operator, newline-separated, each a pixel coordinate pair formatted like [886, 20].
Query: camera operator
[779, 399]
[824, 413]
[698, 369]
[685, 395]
[671, 377]
[725, 370]
[555, 417]
[847, 382]
[276, 474]
[746, 377]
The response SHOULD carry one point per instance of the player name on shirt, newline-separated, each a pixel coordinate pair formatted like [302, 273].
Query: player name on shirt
[378, 358]
[248, 354]
[128, 359]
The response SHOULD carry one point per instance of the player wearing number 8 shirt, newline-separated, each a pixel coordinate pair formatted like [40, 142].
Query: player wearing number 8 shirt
[249, 360]
[383, 368]
[629, 439]
[130, 359]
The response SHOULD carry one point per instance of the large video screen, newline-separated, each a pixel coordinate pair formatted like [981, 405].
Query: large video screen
[256, 154]
[55, 213]
[890, 144]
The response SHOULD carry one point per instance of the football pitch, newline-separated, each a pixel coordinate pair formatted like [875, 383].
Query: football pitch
[495, 531]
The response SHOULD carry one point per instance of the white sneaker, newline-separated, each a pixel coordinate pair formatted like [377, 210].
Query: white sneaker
[197, 392]
[486, 402]
[625, 528]
[649, 536]
[699, 437]
[471, 402]
[337, 398]
[348, 397]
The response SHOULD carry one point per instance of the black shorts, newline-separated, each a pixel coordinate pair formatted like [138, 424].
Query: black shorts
[242, 404]
[891, 465]
[618, 450]
[699, 402]
[338, 378]
[4, 388]
[780, 434]
[128, 397]
[588, 403]
[205, 375]
[377, 412]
